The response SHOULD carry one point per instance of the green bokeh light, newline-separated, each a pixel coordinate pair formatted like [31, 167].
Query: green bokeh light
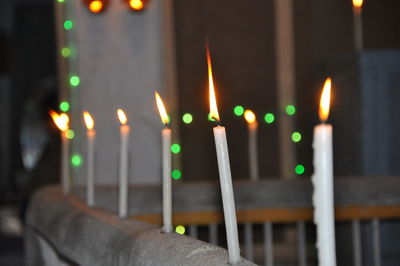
[61, 1]
[176, 174]
[269, 118]
[64, 106]
[70, 134]
[175, 148]
[74, 81]
[66, 52]
[299, 169]
[76, 160]
[210, 118]
[296, 136]
[68, 24]
[180, 229]
[290, 109]
[187, 118]
[238, 110]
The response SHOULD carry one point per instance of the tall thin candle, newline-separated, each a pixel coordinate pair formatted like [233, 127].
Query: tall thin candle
[252, 128]
[123, 164]
[322, 180]
[166, 167]
[62, 122]
[357, 23]
[90, 138]
[225, 176]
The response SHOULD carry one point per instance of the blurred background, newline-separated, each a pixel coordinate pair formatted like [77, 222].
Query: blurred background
[242, 36]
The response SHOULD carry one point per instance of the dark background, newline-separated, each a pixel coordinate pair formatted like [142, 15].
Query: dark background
[241, 39]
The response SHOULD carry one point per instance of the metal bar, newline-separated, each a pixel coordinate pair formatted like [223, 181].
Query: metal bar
[213, 234]
[376, 241]
[248, 241]
[193, 231]
[301, 243]
[355, 228]
[268, 242]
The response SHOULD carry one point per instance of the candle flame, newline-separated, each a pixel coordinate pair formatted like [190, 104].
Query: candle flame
[213, 101]
[88, 120]
[161, 109]
[249, 116]
[357, 3]
[61, 120]
[324, 104]
[122, 117]
[136, 4]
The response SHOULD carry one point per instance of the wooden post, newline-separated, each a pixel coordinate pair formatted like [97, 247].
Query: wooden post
[285, 65]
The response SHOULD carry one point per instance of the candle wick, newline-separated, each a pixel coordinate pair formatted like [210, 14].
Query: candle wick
[166, 125]
[218, 122]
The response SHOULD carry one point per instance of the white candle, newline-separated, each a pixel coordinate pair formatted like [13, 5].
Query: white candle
[90, 137]
[62, 121]
[252, 128]
[123, 165]
[166, 167]
[224, 176]
[65, 173]
[357, 23]
[322, 180]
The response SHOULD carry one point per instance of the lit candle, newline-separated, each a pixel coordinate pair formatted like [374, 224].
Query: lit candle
[252, 128]
[166, 167]
[224, 175]
[62, 121]
[357, 20]
[90, 137]
[322, 180]
[123, 164]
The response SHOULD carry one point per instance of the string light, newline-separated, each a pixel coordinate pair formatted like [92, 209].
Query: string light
[70, 134]
[187, 118]
[74, 81]
[76, 160]
[296, 136]
[66, 52]
[64, 106]
[269, 118]
[290, 109]
[68, 24]
[180, 229]
[176, 174]
[175, 148]
[299, 169]
[238, 110]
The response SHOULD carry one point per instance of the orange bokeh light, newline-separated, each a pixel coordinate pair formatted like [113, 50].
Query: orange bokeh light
[96, 6]
[136, 5]
[88, 120]
[249, 116]
[358, 3]
[61, 120]
[122, 117]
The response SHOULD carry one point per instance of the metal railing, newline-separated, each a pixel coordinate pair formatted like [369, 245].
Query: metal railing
[261, 206]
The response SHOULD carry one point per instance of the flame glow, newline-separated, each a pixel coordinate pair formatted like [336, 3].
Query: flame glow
[324, 103]
[136, 4]
[96, 6]
[122, 117]
[213, 101]
[161, 109]
[249, 116]
[61, 120]
[88, 120]
[357, 3]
